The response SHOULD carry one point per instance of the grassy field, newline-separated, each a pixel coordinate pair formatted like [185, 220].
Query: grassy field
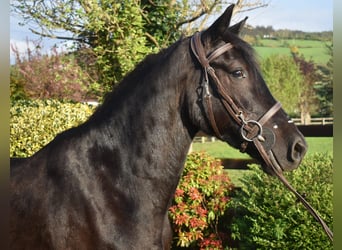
[312, 50]
[222, 150]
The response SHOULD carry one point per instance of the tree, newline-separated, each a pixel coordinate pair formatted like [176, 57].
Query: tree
[243, 5]
[324, 87]
[101, 25]
[308, 100]
[285, 81]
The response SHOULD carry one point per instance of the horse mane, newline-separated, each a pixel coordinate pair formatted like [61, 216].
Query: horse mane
[139, 75]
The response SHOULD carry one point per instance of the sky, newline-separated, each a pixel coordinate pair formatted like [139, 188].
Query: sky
[305, 15]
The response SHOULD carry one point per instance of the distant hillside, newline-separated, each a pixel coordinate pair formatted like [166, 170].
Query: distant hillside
[270, 33]
[267, 41]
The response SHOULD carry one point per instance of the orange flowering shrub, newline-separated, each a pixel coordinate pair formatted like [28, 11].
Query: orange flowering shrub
[201, 198]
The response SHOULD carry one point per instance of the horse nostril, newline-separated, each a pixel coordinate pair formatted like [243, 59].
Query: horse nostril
[298, 151]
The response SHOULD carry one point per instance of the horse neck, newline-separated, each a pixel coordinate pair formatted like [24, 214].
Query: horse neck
[149, 126]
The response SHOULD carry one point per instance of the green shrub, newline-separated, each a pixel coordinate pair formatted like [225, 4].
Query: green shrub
[58, 75]
[268, 216]
[200, 201]
[35, 123]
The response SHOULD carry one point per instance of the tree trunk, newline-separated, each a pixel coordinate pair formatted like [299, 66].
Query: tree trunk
[305, 113]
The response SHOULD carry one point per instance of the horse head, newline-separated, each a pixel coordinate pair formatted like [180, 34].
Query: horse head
[234, 102]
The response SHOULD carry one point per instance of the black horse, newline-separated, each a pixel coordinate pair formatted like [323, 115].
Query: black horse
[108, 183]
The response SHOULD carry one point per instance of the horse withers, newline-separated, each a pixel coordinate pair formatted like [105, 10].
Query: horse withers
[108, 183]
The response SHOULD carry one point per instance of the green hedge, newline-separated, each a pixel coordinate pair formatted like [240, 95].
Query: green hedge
[267, 215]
[35, 123]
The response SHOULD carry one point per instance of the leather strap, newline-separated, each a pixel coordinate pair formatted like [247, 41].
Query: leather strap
[210, 115]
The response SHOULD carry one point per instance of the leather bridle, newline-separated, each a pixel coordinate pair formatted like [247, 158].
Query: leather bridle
[249, 129]
[252, 131]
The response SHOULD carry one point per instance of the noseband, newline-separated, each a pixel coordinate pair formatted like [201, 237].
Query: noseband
[250, 130]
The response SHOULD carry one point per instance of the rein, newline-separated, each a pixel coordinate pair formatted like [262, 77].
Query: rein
[252, 131]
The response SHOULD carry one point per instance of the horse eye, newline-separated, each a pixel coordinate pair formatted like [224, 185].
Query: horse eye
[238, 74]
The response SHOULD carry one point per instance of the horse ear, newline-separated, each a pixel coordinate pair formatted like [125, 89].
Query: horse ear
[219, 27]
[236, 28]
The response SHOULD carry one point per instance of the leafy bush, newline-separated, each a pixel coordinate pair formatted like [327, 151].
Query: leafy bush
[268, 216]
[200, 201]
[17, 84]
[58, 76]
[35, 123]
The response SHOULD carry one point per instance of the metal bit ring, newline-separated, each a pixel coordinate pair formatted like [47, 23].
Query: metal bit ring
[259, 135]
